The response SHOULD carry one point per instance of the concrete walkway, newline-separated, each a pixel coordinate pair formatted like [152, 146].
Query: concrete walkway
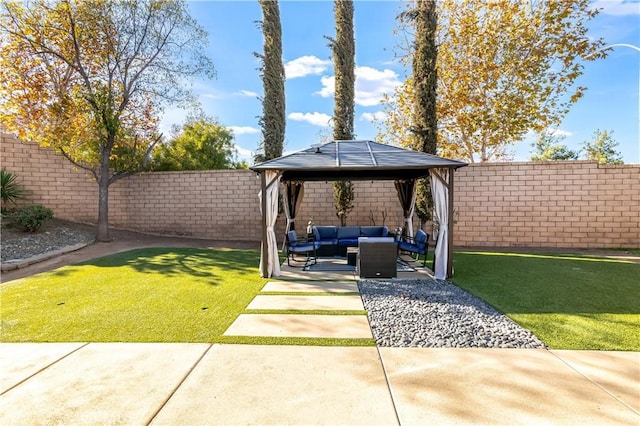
[176, 383]
[160, 383]
[305, 311]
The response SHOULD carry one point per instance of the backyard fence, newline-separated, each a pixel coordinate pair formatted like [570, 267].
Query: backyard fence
[568, 204]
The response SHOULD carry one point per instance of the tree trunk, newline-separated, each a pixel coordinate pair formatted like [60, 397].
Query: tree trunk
[103, 199]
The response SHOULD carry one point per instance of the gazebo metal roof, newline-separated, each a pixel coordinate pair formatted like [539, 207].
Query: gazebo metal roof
[355, 160]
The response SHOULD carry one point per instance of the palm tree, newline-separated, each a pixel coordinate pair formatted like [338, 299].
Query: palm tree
[273, 120]
[424, 121]
[343, 48]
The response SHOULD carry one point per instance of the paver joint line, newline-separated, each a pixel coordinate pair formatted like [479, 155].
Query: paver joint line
[386, 379]
[43, 368]
[174, 390]
[593, 382]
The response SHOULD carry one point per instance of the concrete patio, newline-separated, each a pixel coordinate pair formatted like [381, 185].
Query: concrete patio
[178, 383]
[159, 383]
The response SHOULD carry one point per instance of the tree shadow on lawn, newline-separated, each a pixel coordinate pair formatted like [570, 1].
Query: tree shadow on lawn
[550, 283]
[173, 262]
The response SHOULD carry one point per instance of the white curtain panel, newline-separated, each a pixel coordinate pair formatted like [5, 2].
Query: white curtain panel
[300, 198]
[440, 194]
[287, 213]
[273, 264]
[413, 209]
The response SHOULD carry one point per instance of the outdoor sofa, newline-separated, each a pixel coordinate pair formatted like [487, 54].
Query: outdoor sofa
[334, 240]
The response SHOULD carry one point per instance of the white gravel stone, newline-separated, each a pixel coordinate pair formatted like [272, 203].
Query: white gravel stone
[437, 314]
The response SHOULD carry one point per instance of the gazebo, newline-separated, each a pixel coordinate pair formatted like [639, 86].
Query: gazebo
[357, 160]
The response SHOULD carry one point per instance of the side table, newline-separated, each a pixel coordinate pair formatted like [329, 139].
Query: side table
[352, 255]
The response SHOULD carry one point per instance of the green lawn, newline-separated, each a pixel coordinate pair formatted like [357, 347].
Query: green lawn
[147, 295]
[193, 295]
[569, 302]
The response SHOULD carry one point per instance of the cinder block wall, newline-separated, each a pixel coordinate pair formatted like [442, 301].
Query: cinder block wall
[566, 204]
[50, 179]
[375, 203]
[551, 204]
[210, 204]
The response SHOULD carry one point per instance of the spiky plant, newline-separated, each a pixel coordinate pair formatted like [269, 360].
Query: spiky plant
[11, 190]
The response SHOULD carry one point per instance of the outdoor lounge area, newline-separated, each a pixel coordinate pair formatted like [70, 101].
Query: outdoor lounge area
[364, 257]
[357, 160]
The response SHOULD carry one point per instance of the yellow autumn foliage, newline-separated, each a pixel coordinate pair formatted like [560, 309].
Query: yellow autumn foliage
[504, 68]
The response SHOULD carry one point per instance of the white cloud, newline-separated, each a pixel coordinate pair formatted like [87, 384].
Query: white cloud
[248, 93]
[617, 7]
[532, 136]
[244, 154]
[244, 130]
[315, 118]
[373, 116]
[371, 85]
[171, 116]
[328, 86]
[211, 96]
[559, 132]
[305, 65]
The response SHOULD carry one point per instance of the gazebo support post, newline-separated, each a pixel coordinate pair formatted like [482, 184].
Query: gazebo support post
[265, 251]
[450, 224]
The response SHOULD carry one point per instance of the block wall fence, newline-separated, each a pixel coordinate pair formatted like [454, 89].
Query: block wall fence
[569, 204]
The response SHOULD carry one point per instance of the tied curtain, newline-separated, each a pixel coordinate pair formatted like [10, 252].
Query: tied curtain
[271, 214]
[406, 190]
[440, 192]
[293, 194]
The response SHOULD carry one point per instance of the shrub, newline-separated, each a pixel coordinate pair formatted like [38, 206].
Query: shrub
[31, 218]
[10, 190]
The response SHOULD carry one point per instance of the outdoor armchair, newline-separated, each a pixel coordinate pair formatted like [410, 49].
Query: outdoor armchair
[296, 246]
[418, 245]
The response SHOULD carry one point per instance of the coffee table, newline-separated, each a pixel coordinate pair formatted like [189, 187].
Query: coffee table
[352, 255]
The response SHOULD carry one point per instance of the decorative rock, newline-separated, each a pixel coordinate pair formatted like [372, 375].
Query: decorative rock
[32, 245]
[429, 313]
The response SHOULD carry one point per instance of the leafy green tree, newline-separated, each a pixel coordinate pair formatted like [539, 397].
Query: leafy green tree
[273, 120]
[602, 148]
[344, 50]
[90, 77]
[504, 68]
[549, 147]
[202, 144]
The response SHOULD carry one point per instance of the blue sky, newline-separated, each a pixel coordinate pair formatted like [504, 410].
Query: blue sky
[610, 103]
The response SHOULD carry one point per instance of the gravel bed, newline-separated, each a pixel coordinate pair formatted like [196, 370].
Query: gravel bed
[22, 245]
[437, 314]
